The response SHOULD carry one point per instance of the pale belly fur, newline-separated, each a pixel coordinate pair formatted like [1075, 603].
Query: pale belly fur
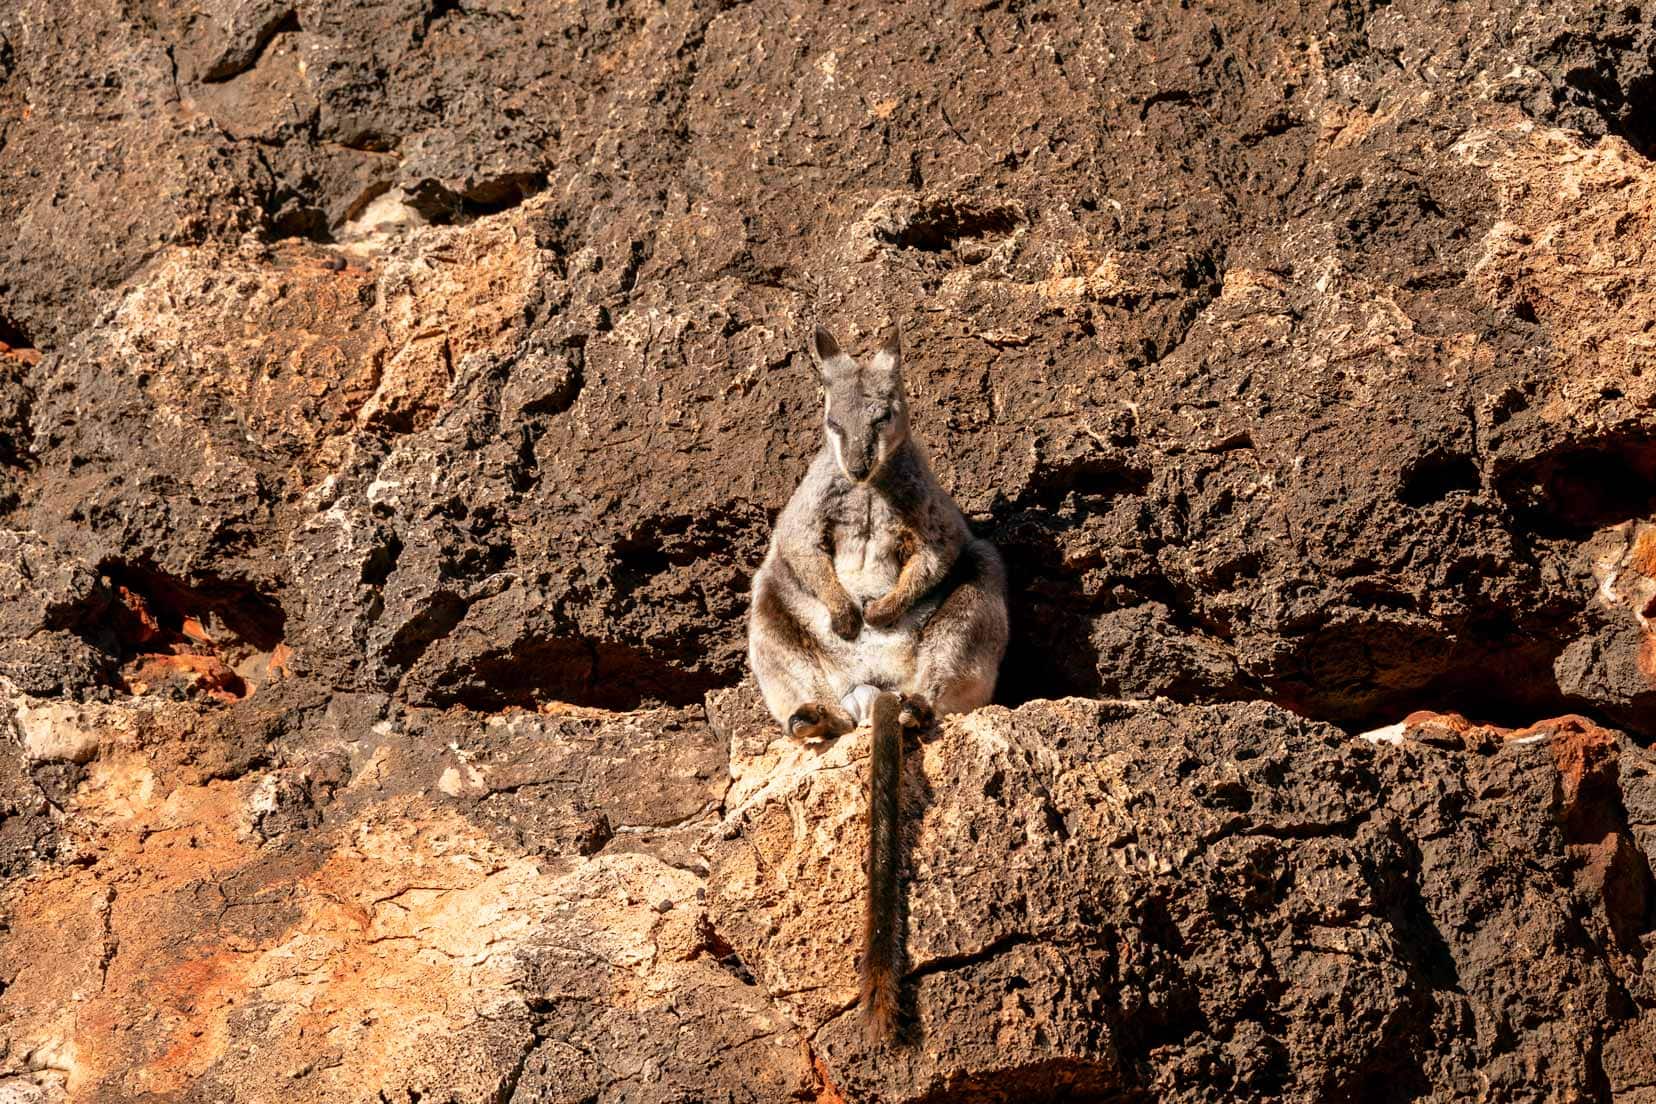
[884, 657]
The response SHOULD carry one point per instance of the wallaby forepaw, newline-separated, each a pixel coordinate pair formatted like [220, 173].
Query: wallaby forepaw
[915, 712]
[807, 723]
[883, 611]
[846, 621]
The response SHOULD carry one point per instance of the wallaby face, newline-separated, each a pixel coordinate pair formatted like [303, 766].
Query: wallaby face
[865, 413]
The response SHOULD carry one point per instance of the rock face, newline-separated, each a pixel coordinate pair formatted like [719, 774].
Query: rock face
[394, 402]
[1132, 899]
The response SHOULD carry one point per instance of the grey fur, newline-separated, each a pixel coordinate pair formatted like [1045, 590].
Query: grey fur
[872, 578]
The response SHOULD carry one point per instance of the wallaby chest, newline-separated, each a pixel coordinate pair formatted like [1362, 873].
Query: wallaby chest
[871, 539]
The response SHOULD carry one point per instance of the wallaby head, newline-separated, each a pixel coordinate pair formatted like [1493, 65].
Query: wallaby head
[865, 412]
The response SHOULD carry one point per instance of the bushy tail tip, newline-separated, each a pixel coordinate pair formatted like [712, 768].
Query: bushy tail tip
[879, 1004]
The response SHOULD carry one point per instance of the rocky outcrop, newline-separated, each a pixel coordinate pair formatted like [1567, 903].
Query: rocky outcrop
[421, 906]
[1131, 899]
[1106, 898]
[394, 402]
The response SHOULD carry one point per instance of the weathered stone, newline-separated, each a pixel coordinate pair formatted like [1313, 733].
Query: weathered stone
[330, 923]
[1125, 898]
[395, 398]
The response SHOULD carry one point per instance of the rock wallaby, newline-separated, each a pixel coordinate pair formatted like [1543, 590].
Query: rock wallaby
[874, 604]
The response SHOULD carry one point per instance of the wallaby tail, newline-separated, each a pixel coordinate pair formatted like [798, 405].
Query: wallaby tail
[881, 964]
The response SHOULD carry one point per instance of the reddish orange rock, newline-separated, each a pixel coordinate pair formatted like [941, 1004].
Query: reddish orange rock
[825, 1093]
[140, 625]
[1643, 559]
[196, 672]
[193, 629]
[22, 356]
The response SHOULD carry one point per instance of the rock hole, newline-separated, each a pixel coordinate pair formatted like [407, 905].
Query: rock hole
[1572, 491]
[441, 8]
[1365, 675]
[1056, 823]
[13, 340]
[241, 612]
[382, 561]
[716, 947]
[535, 670]
[220, 638]
[293, 217]
[1437, 476]
[1625, 111]
[992, 788]
[238, 61]
[942, 225]
[442, 206]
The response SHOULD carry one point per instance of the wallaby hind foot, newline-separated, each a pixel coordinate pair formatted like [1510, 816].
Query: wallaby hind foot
[814, 722]
[915, 712]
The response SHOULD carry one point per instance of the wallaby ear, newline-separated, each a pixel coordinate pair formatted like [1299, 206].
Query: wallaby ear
[823, 348]
[888, 361]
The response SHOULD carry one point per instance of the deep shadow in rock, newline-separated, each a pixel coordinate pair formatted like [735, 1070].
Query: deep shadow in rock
[442, 205]
[941, 224]
[1438, 475]
[1606, 67]
[1573, 490]
[139, 601]
[1396, 1072]
[1373, 673]
[535, 671]
[12, 334]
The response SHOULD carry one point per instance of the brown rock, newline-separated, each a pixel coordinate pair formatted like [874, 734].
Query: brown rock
[400, 394]
[395, 940]
[1122, 898]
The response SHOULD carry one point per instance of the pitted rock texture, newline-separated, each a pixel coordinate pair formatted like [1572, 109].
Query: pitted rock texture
[492, 393]
[395, 399]
[417, 905]
[1126, 900]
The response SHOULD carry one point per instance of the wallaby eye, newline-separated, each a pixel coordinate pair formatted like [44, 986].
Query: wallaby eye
[883, 419]
[834, 427]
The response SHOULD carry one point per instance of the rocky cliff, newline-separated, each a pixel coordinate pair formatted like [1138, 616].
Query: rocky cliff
[395, 396]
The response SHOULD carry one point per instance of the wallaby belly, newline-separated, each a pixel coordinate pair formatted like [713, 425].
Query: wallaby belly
[880, 657]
